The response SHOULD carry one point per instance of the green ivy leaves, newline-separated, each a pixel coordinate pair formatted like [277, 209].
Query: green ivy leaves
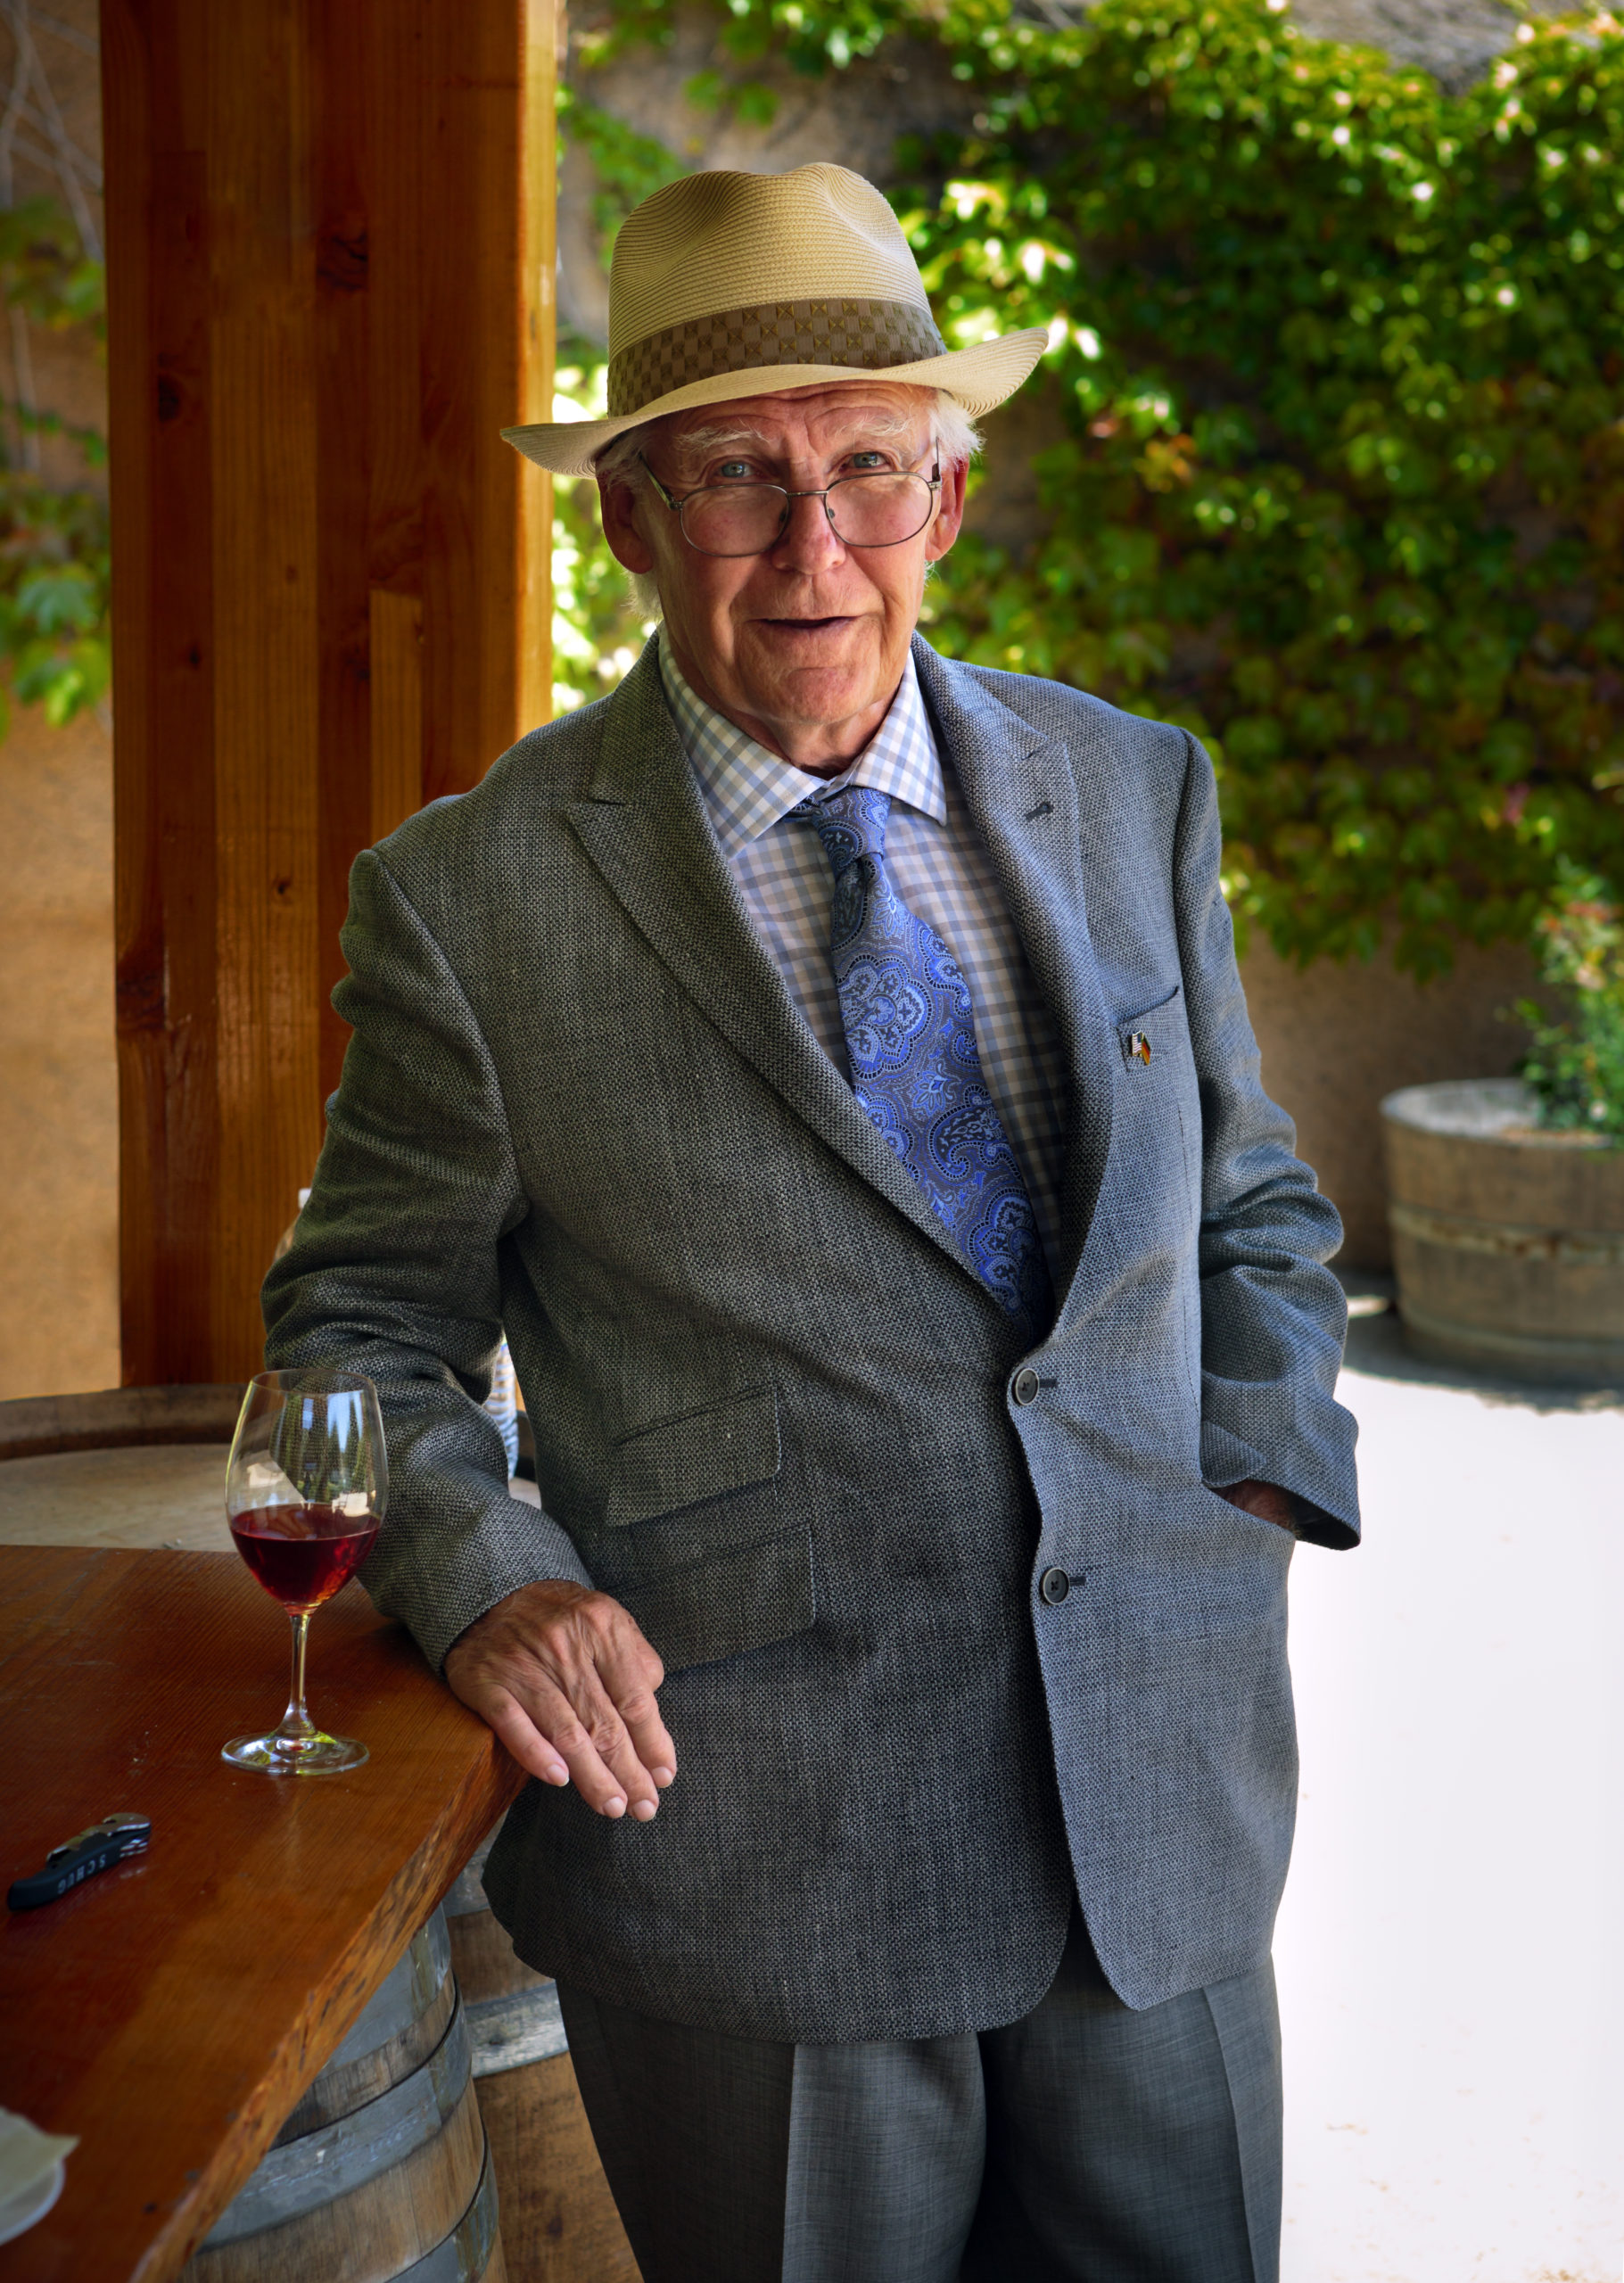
[54, 563]
[1341, 364]
[1356, 400]
[1576, 1067]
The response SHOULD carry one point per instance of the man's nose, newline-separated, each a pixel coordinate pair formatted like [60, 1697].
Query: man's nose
[808, 540]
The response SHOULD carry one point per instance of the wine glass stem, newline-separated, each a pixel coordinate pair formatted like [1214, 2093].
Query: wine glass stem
[296, 1721]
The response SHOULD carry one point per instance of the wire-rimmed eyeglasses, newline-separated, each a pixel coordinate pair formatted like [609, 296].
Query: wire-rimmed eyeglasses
[880, 508]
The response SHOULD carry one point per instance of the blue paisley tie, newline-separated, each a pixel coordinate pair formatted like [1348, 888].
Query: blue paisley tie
[911, 1033]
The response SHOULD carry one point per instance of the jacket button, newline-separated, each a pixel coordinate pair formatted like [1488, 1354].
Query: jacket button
[1054, 1587]
[1025, 1385]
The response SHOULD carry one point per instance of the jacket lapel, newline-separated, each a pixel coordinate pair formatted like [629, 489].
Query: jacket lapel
[1021, 789]
[644, 826]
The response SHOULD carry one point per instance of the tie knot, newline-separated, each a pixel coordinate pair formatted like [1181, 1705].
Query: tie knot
[851, 824]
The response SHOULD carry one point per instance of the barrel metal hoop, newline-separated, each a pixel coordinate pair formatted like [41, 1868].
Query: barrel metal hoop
[1507, 1240]
[465, 2254]
[326, 2163]
[345, 2087]
[405, 1994]
[512, 2030]
[1598, 1362]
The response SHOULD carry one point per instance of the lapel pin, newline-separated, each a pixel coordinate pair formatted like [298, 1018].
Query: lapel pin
[1139, 1047]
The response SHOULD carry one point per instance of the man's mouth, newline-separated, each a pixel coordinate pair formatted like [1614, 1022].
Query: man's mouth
[808, 625]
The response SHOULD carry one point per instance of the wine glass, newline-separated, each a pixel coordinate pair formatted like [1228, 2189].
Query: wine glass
[305, 1490]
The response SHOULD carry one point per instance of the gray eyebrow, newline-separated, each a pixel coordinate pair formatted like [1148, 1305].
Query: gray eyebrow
[707, 439]
[884, 427]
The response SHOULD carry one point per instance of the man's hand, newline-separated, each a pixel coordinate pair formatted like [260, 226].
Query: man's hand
[1263, 1500]
[567, 1681]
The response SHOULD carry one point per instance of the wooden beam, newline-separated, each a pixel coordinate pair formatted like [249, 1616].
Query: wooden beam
[330, 266]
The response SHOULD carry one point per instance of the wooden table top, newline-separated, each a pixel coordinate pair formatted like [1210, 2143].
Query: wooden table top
[170, 2011]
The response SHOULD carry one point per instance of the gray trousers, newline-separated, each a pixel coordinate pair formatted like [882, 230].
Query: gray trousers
[1084, 2144]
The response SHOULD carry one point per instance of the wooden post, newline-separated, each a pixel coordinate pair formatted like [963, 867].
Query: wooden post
[330, 285]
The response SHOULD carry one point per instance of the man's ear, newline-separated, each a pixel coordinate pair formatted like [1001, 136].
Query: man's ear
[617, 504]
[950, 512]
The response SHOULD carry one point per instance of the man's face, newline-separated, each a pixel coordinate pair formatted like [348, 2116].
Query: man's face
[803, 645]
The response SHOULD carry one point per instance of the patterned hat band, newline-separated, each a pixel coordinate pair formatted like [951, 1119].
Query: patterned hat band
[869, 335]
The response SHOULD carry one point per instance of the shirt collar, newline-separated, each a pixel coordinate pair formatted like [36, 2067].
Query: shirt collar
[747, 789]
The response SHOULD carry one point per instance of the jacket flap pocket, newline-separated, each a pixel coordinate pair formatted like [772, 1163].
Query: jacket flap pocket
[741, 1599]
[1141, 1034]
[703, 1455]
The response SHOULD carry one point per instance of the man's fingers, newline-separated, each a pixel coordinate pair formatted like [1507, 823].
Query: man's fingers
[614, 1696]
[631, 1671]
[567, 1680]
[522, 1738]
[548, 1741]
[594, 1745]
[604, 1718]
[650, 1737]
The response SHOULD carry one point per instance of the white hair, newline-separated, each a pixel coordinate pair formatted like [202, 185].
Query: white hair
[619, 463]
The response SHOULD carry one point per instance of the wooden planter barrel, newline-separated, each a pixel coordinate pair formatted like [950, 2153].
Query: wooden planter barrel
[382, 2173]
[1508, 1241]
[124, 1467]
[32, 1426]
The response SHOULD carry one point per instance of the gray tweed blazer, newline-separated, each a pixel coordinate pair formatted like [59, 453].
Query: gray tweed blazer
[779, 1418]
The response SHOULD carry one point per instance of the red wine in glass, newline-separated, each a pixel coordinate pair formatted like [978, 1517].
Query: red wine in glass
[302, 1554]
[305, 1490]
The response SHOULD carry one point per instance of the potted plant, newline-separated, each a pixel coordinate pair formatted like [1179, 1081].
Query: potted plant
[1506, 1195]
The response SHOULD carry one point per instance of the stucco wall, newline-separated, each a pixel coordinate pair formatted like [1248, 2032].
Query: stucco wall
[59, 1122]
[1334, 1040]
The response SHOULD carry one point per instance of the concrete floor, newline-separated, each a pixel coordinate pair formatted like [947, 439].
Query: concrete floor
[1448, 1951]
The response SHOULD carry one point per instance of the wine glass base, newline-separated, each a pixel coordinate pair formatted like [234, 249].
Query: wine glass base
[316, 1754]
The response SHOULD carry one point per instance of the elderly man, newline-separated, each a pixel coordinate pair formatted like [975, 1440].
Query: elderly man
[829, 1065]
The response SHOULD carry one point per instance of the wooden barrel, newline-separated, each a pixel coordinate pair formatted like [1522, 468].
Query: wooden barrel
[129, 1467]
[559, 2224]
[32, 1426]
[1508, 1240]
[382, 2173]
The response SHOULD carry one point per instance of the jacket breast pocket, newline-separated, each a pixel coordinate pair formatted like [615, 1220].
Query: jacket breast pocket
[1157, 1031]
[1159, 1134]
[1159, 1095]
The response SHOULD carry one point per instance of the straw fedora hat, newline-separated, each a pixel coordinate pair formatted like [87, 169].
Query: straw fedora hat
[728, 285]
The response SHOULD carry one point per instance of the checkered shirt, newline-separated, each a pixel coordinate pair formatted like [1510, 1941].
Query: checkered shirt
[938, 867]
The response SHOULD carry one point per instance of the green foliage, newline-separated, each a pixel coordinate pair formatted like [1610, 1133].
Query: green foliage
[596, 634]
[1338, 363]
[628, 167]
[45, 270]
[810, 37]
[1576, 1067]
[54, 567]
[1343, 489]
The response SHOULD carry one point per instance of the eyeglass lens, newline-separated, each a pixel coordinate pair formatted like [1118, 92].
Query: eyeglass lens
[865, 510]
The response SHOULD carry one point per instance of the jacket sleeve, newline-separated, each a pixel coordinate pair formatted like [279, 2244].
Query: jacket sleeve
[1274, 1317]
[394, 1271]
